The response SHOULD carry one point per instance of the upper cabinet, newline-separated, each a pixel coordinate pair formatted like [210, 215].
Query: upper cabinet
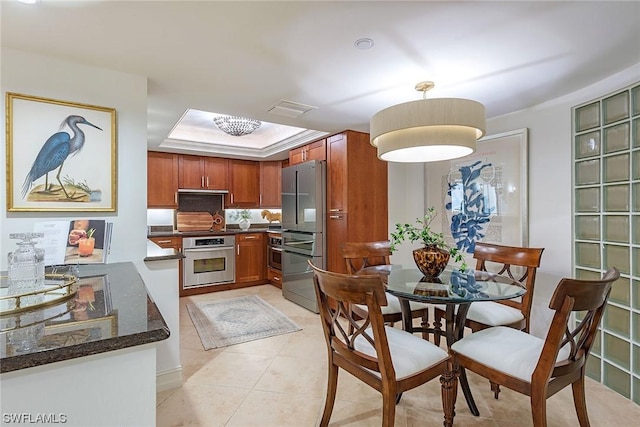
[271, 184]
[203, 173]
[244, 184]
[313, 151]
[251, 185]
[162, 180]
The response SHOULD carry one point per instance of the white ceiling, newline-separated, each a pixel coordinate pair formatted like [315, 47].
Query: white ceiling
[242, 58]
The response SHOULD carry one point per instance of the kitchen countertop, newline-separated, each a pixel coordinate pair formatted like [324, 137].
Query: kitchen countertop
[227, 232]
[121, 315]
[156, 253]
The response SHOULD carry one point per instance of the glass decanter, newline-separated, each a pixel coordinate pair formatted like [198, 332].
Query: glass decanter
[26, 268]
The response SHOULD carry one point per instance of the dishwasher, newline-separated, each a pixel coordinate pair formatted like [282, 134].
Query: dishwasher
[208, 261]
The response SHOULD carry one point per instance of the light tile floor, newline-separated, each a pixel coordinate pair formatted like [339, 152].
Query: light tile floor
[280, 381]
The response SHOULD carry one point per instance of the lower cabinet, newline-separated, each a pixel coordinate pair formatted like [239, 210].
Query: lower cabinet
[275, 277]
[251, 257]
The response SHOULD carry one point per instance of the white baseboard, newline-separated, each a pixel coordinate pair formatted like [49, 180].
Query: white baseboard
[169, 379]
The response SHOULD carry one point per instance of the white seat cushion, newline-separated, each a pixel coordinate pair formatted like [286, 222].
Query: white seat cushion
[393, 305]
[409, 353]
[490, 313]
[494, 314]
[506, 350]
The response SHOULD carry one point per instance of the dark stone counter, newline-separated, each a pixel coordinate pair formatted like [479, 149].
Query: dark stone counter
[156, 253]
[111, 310]
[227, 232]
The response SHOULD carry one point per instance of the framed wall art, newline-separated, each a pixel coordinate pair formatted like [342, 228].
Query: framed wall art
[61, 156]
[483, 197]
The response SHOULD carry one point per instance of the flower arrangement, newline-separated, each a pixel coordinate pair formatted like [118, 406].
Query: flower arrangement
[421, 231]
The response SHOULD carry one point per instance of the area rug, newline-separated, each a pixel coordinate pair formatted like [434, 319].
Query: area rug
[236, 320]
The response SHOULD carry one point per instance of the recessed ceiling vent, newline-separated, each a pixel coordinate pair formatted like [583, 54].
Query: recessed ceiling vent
[290, 109]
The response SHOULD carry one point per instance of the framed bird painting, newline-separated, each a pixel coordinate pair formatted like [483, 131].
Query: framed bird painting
[61, 156]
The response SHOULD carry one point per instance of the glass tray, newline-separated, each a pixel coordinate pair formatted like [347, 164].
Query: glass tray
[58, 287]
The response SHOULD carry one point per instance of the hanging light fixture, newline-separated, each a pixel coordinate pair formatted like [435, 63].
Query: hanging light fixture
[236, 126]
[428, 130]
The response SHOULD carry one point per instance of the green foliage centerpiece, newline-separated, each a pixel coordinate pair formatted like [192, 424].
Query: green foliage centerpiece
[433, 257]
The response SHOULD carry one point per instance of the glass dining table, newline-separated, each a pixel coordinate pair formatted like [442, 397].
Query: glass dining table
[455, 290]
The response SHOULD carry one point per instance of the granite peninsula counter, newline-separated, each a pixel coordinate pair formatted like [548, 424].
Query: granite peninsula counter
[119, 314]
[96, 355]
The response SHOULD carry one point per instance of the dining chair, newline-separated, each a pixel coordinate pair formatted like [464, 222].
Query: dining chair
[515, 313]
[388, 359]
[360, 255]
[537, 367]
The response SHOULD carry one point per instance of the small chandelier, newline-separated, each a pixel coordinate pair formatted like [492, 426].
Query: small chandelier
[236, 126]
[428, 130]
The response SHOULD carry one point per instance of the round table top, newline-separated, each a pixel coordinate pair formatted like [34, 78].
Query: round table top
[452, 286]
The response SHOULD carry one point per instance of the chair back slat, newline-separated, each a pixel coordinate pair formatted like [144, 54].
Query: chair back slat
[517, 263]
[359, 255]
[335, 293]
[588, 297]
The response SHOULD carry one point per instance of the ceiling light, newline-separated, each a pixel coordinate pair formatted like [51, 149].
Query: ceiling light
[236, 126]
[363, 44]
[428, 130]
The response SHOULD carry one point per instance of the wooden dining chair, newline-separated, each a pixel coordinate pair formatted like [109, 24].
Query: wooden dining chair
[388, 359]
[537, 367]
[514, 313]
[360, 255]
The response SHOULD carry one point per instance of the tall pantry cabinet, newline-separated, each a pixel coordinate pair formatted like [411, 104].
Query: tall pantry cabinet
[357, 197]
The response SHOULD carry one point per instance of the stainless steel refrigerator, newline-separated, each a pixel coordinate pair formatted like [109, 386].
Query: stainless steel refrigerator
[303, 225]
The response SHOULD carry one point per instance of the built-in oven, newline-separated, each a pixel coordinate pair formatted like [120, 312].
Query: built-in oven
[208, 261]
[274, 250]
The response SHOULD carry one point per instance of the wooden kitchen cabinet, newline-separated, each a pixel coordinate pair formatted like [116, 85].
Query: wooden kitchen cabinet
[337, 231]
[337, 174]
[313, 151]
[357, 194]
[244, 184]
[203, 173]
[275, 277]
[251, 257]
[271, 184]
[162, 180]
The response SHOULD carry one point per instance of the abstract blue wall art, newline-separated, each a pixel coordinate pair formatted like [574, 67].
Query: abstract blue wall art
[471, 202]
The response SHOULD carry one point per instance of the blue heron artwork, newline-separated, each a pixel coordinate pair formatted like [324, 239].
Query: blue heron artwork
[55, 151]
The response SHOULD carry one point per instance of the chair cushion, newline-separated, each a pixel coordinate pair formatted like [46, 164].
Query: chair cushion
[409, 353]
[490, 313]
[506, 350]
[494, 314]
[393, 305]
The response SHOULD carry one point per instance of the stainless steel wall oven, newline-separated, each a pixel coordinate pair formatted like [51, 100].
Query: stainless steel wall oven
[274, 250]
[208, 261]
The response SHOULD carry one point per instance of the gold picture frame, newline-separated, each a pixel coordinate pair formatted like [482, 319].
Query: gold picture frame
[61, 156]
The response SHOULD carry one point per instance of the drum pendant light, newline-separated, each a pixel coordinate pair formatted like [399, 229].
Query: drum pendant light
[428, 130]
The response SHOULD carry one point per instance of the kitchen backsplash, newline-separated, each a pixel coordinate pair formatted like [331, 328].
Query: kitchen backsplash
[256, 216]
[166, 217]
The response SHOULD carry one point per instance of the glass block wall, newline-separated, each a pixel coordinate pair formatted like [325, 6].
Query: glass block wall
[606, 229]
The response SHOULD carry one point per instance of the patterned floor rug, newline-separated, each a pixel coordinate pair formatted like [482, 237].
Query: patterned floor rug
[237, 320]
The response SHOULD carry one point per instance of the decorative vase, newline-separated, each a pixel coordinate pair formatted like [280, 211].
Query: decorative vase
[431, 260]
[244, 224]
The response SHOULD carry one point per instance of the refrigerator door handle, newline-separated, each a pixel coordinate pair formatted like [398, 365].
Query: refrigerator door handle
[297, 197]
